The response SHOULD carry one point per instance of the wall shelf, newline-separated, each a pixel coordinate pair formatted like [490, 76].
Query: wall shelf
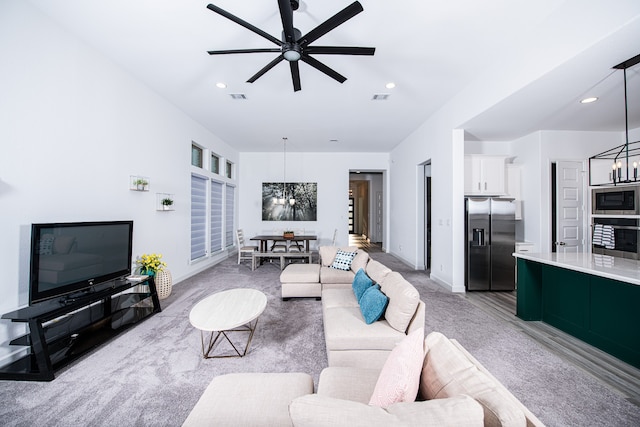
[165, 202]
[138, 183]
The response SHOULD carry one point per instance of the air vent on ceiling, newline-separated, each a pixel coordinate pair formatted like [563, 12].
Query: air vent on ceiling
[380, 96]
[238, 96]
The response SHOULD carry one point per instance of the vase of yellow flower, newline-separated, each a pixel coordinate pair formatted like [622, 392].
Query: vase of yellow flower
[152, 265]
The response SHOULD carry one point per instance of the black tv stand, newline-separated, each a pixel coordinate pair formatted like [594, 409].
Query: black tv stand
[62, 330]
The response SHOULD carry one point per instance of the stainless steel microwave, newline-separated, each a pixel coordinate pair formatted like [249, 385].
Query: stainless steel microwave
[616, 200]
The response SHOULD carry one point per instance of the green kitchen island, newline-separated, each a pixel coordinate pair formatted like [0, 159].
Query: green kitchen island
[595, 298]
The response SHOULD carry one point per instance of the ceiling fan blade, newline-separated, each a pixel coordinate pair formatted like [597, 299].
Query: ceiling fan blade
[222, 52]
[295, 75]
[286, 14]
[340, 50]
[338, 19]
[266, 68]
[245, 24]
[321, 67]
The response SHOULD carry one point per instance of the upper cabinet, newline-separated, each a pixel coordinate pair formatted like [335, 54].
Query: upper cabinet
[484, 175]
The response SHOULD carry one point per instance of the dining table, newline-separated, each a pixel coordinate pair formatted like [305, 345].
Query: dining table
[266, 238]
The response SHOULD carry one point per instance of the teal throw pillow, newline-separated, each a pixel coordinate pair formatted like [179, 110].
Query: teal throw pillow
[361, 282]
[373, 304]
[343, 259]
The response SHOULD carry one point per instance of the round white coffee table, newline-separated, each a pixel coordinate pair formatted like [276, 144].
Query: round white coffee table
[235, 310]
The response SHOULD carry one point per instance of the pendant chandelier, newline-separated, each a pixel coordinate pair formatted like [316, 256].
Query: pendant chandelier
[620, 155]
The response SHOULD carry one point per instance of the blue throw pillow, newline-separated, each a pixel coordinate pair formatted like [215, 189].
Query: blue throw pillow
[373, 304]
[361, 282]
[343, 260]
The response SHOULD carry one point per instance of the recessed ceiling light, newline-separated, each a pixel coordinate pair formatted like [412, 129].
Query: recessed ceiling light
[589, 100]
[390, 85]
[221, 85]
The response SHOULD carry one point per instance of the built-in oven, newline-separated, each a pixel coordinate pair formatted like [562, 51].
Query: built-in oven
[616, 201]
[619, 237]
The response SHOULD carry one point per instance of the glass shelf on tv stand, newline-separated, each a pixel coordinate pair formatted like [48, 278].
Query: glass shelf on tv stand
[60, 333]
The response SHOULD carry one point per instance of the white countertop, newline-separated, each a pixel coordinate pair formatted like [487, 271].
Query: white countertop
[621, 269]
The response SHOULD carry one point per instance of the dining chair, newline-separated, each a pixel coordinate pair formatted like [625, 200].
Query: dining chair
[244, 251]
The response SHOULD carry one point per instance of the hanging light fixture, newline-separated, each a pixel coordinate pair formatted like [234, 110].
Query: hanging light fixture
[284, 199]
[622, 152]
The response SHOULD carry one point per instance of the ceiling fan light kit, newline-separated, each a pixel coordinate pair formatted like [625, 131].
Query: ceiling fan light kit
[293, 46]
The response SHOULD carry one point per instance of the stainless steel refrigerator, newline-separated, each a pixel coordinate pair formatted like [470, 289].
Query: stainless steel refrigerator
[490, 233]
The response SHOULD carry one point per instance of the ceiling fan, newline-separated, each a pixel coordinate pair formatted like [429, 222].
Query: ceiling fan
[296, 47]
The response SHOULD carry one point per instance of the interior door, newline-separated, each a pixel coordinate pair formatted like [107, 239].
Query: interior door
[569, 208]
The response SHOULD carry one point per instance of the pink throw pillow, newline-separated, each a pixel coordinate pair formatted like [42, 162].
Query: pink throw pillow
[399, 379]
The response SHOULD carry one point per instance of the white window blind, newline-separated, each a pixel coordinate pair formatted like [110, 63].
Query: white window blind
[198, 217]
[216, 216]
[229, 214]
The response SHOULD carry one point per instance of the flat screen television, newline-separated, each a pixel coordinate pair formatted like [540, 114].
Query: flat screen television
[73, 257]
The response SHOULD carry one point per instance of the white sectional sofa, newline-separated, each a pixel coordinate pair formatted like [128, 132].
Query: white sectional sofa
[349, 340]
[454, 389]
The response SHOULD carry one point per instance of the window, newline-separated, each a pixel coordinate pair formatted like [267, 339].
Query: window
[215, 164]
[229, 169]
[196, 156]
[198, 217]
[216, 216]
[229, 213]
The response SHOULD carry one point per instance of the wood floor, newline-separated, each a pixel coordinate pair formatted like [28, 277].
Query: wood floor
[617, 375]
[363, 243]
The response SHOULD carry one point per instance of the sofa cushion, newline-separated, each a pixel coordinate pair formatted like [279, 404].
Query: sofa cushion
[372, 304]
[314, 410]
[376, 270]
[339, 298]
[333, 276]
[344, 329]
[342, 261]
[355, 384]
[361, 282]
[360, 261]
[448, 372]
[264, 399]
[403, 300]
[328, 253]
[399, 379]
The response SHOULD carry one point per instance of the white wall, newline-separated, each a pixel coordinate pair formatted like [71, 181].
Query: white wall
[73, 128]
[330, 171]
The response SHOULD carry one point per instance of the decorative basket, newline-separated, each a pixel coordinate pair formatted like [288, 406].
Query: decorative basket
[164, 283]
[288, 235]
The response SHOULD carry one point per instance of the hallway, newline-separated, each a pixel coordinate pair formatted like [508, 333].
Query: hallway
[362, 243]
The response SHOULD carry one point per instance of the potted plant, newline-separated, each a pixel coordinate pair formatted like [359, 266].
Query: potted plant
[141, 184]
[288, 234]
[166, 203]
[152, 265]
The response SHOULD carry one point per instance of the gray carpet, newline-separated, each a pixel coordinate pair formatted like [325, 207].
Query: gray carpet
[153, 374]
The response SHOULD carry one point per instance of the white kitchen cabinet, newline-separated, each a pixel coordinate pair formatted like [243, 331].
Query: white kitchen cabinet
[484, 175]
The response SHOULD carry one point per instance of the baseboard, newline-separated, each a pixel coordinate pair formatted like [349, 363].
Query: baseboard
[448, 286]
[404, 260]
